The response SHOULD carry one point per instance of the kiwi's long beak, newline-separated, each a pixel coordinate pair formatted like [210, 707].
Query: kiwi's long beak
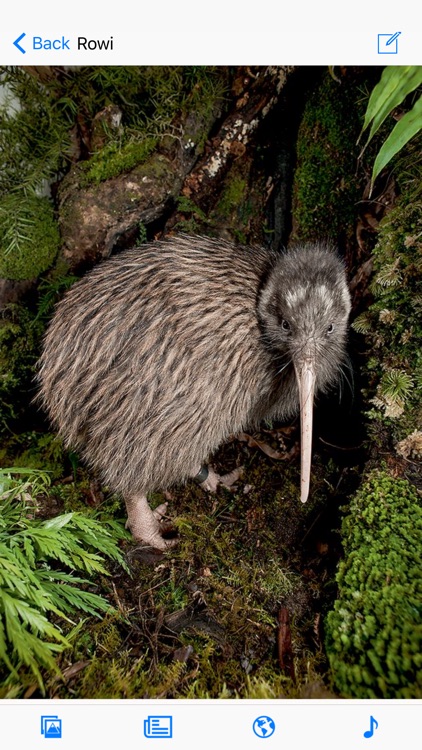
[305, 374]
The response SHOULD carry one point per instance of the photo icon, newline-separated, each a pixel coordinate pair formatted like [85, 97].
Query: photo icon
[51, 727]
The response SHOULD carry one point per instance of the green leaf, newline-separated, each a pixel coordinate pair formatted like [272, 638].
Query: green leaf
[403, 131]
[395, 84]
[59, 521]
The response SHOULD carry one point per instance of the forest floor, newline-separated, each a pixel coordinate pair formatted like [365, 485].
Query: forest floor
[236, 608]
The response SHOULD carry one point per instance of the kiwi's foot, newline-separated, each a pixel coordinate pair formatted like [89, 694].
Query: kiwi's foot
[146, 525]
[212, 480]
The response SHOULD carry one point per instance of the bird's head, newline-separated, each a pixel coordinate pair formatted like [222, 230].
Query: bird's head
[303, 310]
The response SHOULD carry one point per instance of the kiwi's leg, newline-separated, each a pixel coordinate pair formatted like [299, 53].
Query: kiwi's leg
[145, 524]
[209, 480]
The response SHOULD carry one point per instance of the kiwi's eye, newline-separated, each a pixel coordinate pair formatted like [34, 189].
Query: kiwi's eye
[285, 325]
[330, 328]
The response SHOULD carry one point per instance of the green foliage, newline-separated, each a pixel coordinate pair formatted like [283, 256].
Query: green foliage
[392, 324]
[35, 147]
[406, 128]
[152, 96]
[46, 121]
[396, 83]
[34, 132]
[29, 236]
[163, 94]
[201, 621]
[187, 205]
[325, 189]
[193, 220]
[21, 331]
[36, 120]
[34, 450]
[142, 233]
[19, 342]
[121, 679]
[374, 633]
[39, 566]
[51, 290]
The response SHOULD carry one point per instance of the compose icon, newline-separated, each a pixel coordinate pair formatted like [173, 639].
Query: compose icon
[51, 726]
[388, 43]
[158, 726]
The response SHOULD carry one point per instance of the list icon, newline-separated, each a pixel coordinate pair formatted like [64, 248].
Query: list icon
[158, 726]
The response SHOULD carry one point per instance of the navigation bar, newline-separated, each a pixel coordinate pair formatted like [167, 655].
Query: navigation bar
[386, 43]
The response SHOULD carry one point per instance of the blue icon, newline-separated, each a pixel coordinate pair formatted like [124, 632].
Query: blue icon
[387, 43]
[370, 731]
[264, 726]
[158, 726]
[51, 726]
[17, 45]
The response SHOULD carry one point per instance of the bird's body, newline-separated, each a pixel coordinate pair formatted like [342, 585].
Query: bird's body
[159, 354]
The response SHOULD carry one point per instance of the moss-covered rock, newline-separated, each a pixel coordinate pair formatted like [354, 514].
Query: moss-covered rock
[113, 160]
[29, 237]
[374, 632]
[94, 219]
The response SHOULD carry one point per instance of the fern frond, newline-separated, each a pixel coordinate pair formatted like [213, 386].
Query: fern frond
[39, 565]
[362, 324]
[390, 275]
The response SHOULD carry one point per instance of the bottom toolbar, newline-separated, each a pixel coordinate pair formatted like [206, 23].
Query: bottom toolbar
[187, 725]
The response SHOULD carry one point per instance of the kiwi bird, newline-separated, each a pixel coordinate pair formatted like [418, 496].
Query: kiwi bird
[160, 353]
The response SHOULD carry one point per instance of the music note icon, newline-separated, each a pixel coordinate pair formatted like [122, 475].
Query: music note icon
[370, 731]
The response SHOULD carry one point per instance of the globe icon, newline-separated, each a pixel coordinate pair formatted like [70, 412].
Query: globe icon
[264, 726]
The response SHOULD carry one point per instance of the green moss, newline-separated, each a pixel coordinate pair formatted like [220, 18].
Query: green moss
[232, 196]
[325, 189]
[235, 207]
[374, 633]
[119, 678]
[113, 160]
[29, 237]
[392, 324]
